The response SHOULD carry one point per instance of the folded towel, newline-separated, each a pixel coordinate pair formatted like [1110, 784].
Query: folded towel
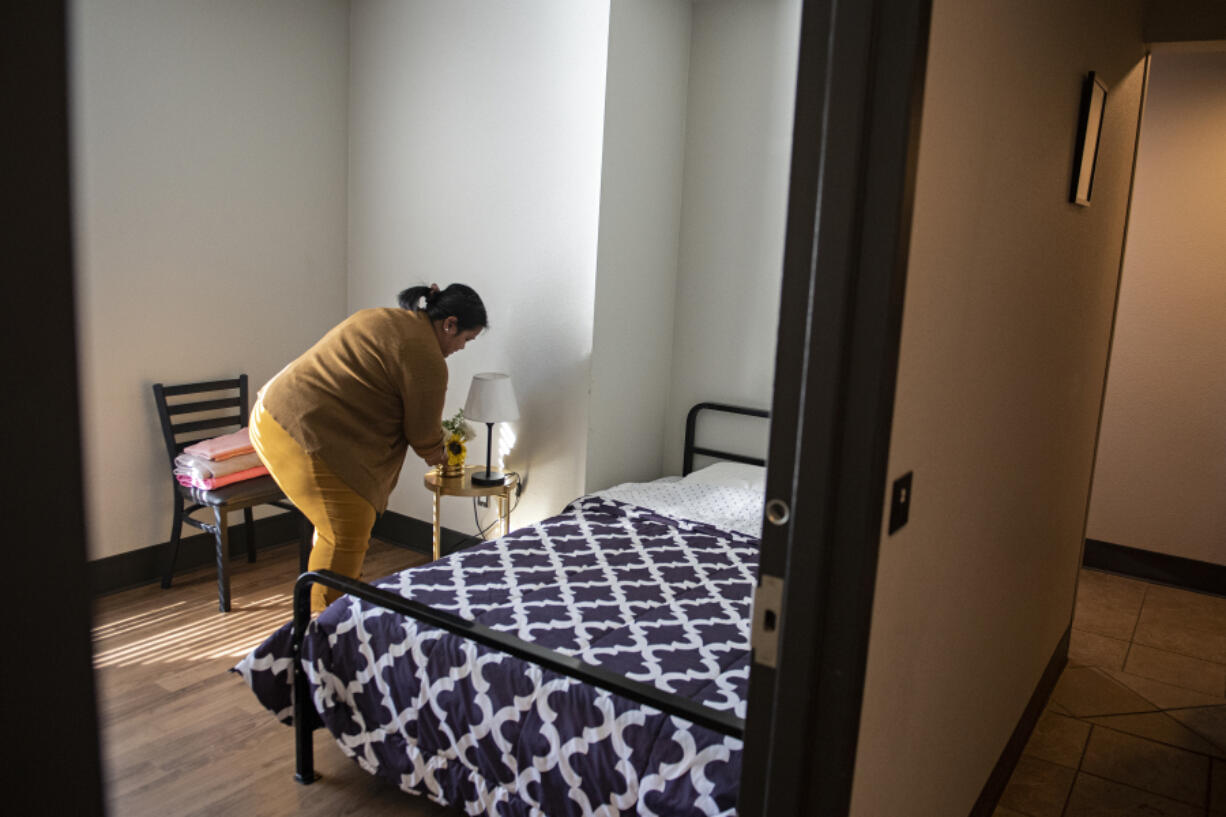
[217, 482]
[223, 447]
[198, 467]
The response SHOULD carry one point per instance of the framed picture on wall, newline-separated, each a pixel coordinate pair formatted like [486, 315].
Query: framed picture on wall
[1089, 127]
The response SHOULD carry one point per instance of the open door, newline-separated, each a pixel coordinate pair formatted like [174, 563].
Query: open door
[50, 713]
[856, 130]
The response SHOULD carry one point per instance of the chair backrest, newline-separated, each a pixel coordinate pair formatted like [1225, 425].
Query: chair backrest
[188, 419]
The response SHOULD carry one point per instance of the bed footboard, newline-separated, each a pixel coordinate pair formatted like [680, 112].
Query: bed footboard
[306, 719]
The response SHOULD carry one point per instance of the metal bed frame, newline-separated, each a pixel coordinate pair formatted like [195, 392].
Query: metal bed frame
[691, 423]
[306, 719]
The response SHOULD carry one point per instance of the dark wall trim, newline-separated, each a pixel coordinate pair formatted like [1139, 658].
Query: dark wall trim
[1190, 574]
[144, 565]
[999, 778]
[416, 535]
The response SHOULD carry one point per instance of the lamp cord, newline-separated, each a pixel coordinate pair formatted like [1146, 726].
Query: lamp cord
[479, 536]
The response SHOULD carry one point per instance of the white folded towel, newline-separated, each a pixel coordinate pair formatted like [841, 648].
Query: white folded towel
[199, 468]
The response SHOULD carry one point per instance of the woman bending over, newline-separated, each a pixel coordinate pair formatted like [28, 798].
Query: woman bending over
[334, 426]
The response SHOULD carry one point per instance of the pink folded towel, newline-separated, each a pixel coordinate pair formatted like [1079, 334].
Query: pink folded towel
[223, 447]
[217, 482]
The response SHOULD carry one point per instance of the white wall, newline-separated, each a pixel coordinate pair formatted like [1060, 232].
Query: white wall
[734, 202]
[309, 160]
[209, 190]
[640, 224]
[1160, 479]
[1009, 301]
[474, 156]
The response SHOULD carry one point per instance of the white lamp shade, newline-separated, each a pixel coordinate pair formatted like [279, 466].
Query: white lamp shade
[491, 399]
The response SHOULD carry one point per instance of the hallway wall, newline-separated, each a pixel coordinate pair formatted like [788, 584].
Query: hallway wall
[1160, 477]
[1010, 293]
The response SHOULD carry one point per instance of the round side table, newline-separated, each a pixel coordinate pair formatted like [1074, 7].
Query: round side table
[442, 486]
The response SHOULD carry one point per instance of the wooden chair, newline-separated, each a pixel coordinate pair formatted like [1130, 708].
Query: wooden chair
[191, 420]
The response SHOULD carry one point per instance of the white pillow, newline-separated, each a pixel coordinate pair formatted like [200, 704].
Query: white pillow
[730, 474]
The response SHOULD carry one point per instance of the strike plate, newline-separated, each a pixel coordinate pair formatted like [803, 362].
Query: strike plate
[767, 609]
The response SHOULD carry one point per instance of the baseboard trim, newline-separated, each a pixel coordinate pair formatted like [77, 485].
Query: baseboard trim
[999, 778]
[142, 566]
[1179, 571]
[416, 535]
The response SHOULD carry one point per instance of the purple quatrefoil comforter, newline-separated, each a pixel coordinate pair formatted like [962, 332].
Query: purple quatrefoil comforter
[658, 599]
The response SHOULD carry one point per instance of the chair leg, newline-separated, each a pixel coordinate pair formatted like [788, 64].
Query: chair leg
[172, 546]
[223, 553]
[249, 526]
[304, 542]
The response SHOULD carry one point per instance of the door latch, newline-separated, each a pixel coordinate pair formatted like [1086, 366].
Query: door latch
[767, 610]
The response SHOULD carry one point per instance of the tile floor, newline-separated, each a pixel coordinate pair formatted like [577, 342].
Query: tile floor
[1137, 722]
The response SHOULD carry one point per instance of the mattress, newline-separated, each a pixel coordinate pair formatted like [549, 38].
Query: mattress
[657, 597]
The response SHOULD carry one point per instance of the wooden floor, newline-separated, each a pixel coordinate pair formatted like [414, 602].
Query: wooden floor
[181, 735]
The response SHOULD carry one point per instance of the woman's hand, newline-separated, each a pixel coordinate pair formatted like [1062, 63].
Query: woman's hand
[437, 457]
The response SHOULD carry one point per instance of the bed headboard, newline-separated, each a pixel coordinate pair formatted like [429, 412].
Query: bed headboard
[691, 422]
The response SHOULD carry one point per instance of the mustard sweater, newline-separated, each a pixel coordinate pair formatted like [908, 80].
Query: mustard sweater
[357, 399]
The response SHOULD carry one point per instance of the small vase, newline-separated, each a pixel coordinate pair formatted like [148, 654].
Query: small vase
[454, 465]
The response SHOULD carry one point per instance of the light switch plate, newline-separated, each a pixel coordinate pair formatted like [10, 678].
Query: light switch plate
[900, 501]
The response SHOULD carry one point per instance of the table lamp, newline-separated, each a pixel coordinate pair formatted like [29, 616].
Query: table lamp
[490, 400]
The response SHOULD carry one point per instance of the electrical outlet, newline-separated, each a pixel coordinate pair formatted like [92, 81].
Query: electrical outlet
[483, 501]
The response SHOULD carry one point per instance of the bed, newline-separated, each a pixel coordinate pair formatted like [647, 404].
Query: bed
[594, 663]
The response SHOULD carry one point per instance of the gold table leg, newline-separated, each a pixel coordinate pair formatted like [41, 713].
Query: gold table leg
[437, 526]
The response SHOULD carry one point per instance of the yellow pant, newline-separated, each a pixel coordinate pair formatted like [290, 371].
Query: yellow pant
[342, 519]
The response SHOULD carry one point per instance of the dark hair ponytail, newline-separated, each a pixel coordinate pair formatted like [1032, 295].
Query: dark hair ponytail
[457, 300]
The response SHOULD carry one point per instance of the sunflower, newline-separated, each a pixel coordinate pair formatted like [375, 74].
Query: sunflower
[456, 450]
